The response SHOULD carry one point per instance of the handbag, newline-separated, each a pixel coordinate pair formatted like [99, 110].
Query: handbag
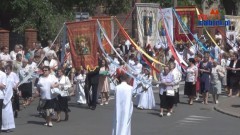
[170, 92]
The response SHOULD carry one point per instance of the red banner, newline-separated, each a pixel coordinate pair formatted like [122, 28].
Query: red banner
[188, 15]
[106, 24]
[83, 43]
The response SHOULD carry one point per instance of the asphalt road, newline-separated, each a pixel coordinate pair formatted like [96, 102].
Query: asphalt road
[196, 119]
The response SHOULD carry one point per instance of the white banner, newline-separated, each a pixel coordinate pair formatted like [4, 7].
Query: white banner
[147, 21]
[233, 30]
[166, 16]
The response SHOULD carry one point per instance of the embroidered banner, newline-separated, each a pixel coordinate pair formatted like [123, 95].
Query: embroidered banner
[167, 17]
[187, 15]
[83, 43]
[233, 30]
[147, 23]
[106, 23]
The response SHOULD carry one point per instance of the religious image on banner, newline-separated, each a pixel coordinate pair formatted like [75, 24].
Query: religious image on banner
[233, 32]
[147, 22]
[186, 19]
[167, 19]
[82, 45]
[187, 15]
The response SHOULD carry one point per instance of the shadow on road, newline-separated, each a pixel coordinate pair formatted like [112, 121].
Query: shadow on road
[35, 122]
[236, 106]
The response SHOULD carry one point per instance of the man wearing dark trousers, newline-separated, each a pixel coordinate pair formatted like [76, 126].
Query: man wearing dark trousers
[92, 81]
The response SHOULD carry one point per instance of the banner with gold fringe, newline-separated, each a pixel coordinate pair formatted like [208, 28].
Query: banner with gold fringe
[82, 41]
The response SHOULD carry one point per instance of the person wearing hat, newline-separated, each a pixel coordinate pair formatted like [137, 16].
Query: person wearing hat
[146, 100]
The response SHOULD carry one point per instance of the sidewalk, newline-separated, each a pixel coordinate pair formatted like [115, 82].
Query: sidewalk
[229, 106]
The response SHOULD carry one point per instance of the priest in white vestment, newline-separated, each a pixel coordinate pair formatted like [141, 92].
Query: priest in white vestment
[124, 108]
[8, 122]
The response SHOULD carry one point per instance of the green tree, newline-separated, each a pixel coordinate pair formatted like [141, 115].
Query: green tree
[42, 15]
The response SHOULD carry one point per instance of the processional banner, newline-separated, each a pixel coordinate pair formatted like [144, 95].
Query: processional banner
[147, 14]
[83, 41]
[233, 30]
[164, 17]
[106, 22]
[187, 15]
[83, 45]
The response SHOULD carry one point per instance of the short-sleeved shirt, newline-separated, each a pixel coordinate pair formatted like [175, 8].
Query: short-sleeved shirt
[191, 76]
[44, 84]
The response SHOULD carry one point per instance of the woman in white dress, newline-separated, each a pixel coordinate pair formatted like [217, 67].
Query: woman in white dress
[8, 122]
[79, 80]
[146, 100]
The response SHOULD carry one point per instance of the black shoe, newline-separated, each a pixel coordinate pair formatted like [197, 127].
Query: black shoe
[93, 107]
[15, 114]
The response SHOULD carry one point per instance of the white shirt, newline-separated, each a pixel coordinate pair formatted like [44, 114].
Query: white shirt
[5, 57]
[13, 77]
[46, 49]
[13, 55]
[3, 80]
[191, 77]
[177, 78]
[44, 84]
[64, 85]
[138, 68]
[53, 64]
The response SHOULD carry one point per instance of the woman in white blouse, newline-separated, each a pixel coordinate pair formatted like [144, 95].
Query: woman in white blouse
[64, 86]
[191, 79]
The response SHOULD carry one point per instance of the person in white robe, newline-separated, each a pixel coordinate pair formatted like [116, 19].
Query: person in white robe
[3, 82]
[146, 100]
[113, 71]
[8, 122]
[124, 108]
[80, 83]
[136, 82]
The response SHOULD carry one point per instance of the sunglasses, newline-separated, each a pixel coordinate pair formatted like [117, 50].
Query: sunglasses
[45, 70]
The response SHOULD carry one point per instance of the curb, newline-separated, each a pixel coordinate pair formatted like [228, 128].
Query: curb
[225, 112]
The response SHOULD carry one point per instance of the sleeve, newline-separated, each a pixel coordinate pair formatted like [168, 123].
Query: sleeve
[4, 79]
[67, 83]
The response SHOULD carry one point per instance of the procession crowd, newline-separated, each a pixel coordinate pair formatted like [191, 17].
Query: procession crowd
[36, 71]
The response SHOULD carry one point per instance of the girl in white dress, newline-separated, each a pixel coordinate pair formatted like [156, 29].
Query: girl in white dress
[80, 83]
[147, 100]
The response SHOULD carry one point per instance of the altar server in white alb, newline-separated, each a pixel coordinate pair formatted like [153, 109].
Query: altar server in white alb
[79, 79]
[8, 122]
[147, 100]
[124, 108]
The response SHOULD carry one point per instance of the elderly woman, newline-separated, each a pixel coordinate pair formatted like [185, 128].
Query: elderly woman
[64, 86]
[216, 75]
[166, 88]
